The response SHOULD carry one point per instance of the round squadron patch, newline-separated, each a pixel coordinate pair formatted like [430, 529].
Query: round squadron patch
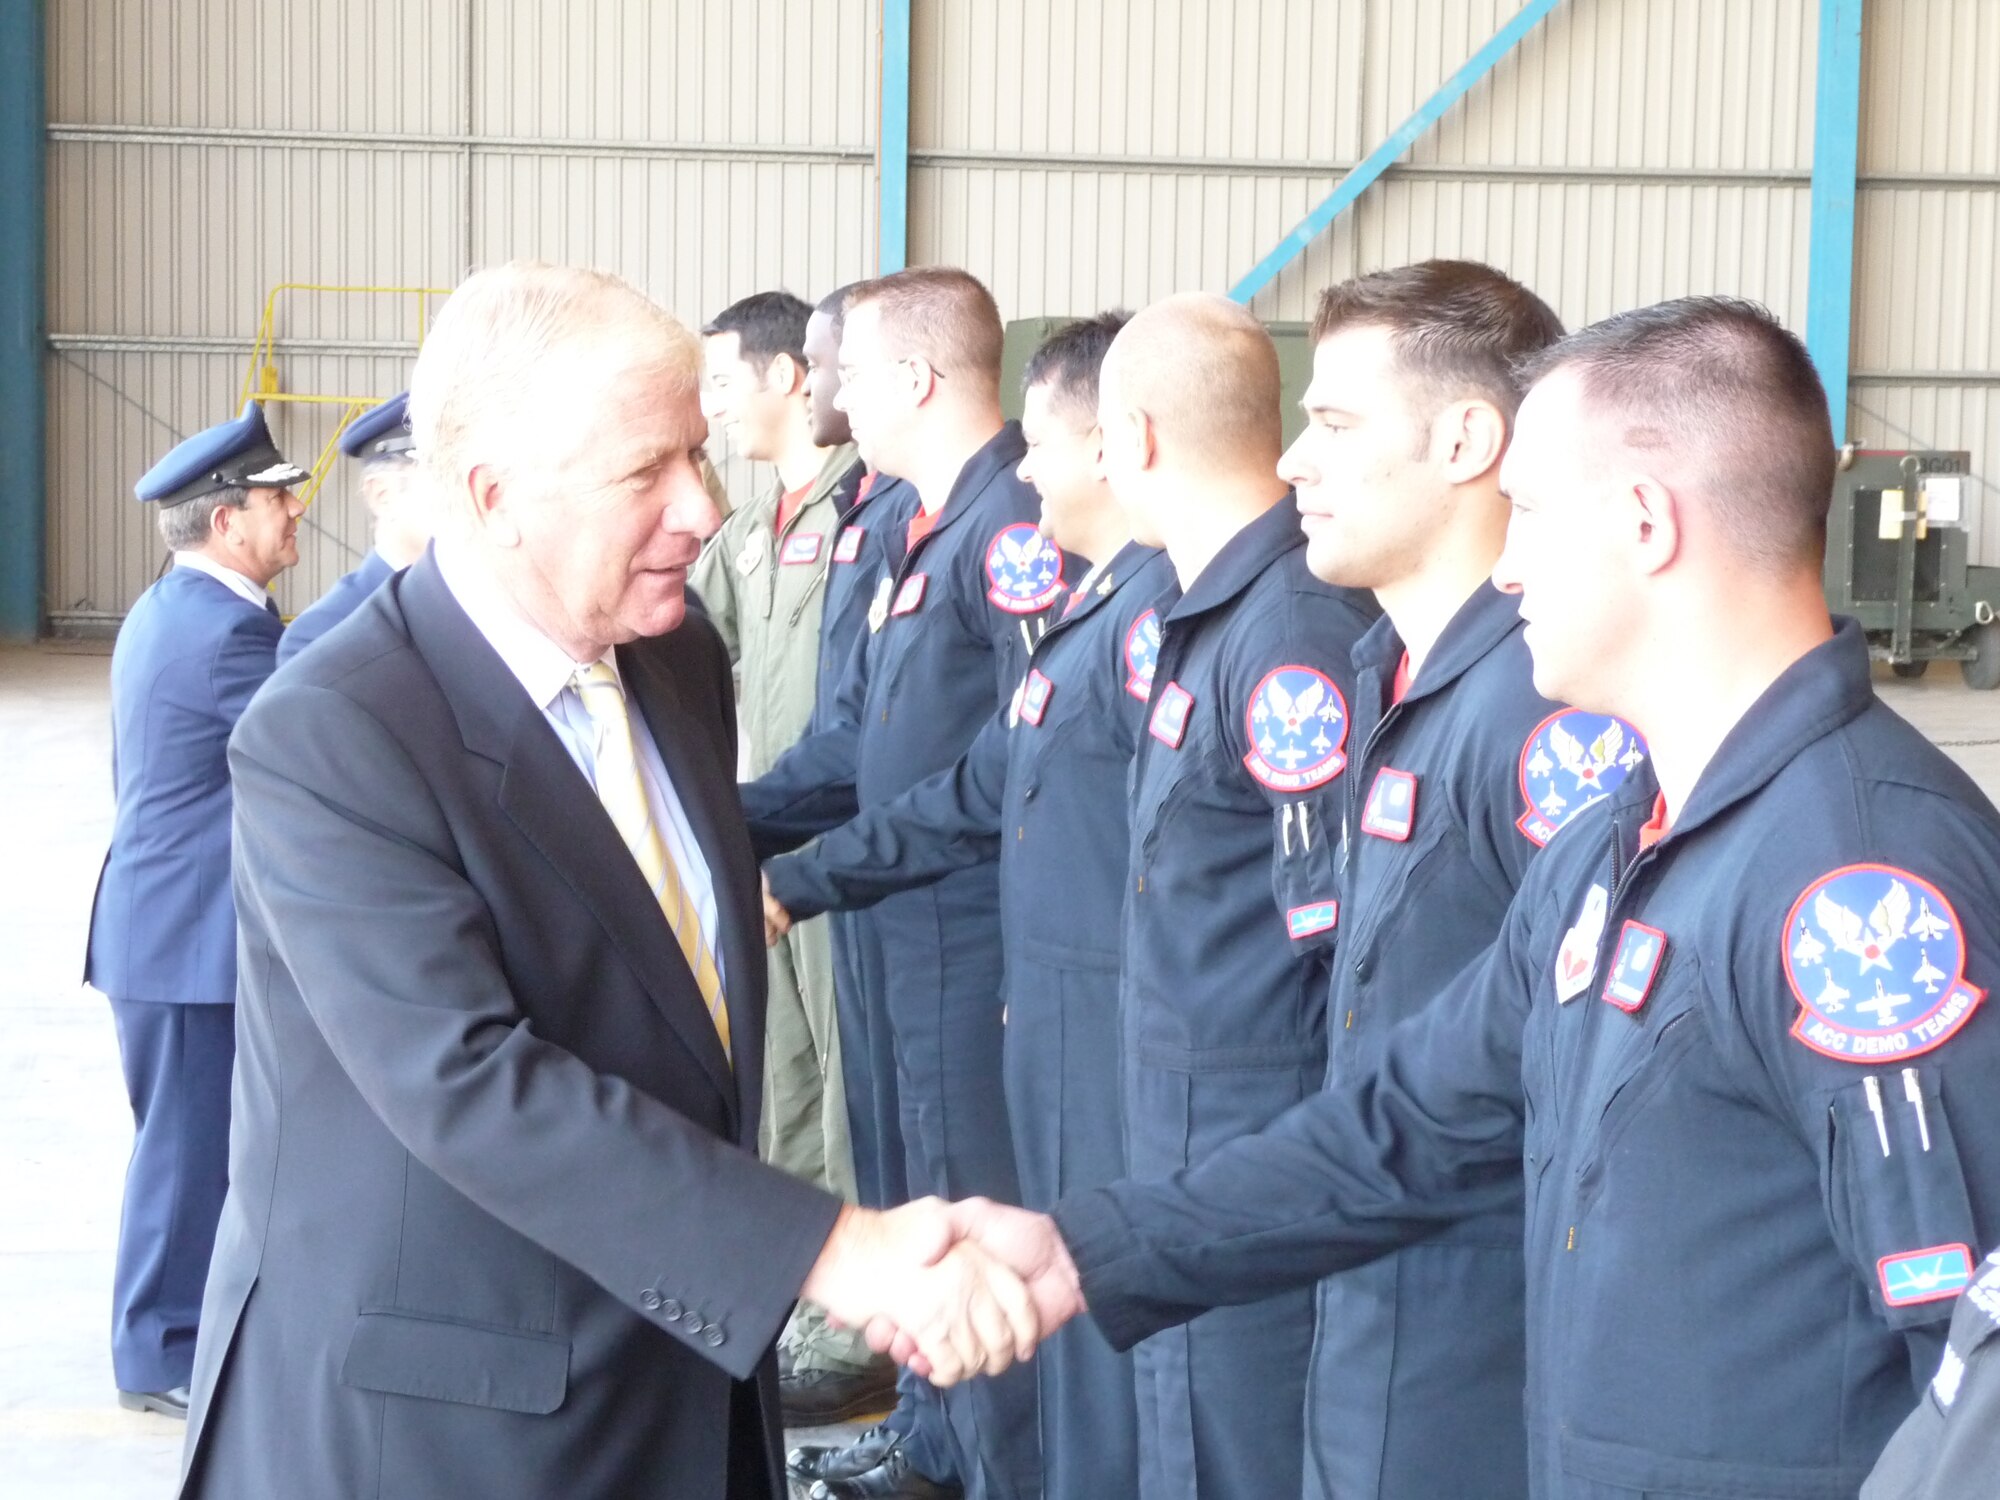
[1876, 959]
[1573, 760]
[1297, 723]
[1142, 655]
[1023, 570]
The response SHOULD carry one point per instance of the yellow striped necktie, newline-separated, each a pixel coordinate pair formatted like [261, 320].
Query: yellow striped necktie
[622, 790]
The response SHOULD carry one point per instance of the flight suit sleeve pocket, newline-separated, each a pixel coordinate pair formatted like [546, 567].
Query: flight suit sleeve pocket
[1304, 861]
[440, 1359]
[1899, 1188]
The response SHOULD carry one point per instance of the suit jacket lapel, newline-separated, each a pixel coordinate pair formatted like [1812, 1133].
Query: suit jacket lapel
[707, 792]
[547, 798]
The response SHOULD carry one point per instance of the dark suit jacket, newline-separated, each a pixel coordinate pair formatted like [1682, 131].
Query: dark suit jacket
[189, 656]
[493, 1226]
[348, 593]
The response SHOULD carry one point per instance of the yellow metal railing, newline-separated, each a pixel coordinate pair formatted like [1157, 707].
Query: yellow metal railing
[260, 379]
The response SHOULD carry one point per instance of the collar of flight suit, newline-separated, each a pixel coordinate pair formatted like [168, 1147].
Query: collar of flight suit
[1240, 563]
[1482, 622]
[1124, 566]
[1001, 451]
[1815, 696]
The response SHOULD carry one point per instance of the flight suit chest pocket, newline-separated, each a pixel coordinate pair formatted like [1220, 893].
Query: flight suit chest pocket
[1304, 854]
[1898, 1186]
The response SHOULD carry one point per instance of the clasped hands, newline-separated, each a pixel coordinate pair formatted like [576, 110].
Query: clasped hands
[950, 1289]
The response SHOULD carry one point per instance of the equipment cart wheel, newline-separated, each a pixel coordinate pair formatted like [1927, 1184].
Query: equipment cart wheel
[1910, 668]
[1982, 668]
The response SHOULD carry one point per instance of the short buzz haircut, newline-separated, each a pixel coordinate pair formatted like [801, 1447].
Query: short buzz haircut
[766, 324]
[1068, 361]
[187, 527]
[1723, 387]
[941, 315]
[1458, 327]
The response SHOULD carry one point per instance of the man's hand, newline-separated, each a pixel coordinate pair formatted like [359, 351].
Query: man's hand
[777, 921]
[1026, 1243]
[956, 1308]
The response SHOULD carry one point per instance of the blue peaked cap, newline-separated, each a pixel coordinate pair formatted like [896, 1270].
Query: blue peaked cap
[381, 432]
[230, 455]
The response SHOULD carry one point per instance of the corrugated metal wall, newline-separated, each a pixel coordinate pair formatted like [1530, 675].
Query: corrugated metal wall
[1075, 156]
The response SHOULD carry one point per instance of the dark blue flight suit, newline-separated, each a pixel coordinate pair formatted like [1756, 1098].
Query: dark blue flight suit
[956, 624]
[1223, 998]
[1747, 1074]
[1050, 792]
[1419, 1359]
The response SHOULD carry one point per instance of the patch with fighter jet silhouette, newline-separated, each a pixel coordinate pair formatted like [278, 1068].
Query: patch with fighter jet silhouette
[1297, 723]
[1023, 570]
[1876, 959]
[1573, 760]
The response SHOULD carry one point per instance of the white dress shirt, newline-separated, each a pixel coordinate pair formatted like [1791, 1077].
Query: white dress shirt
[246, 588]
[544, 670]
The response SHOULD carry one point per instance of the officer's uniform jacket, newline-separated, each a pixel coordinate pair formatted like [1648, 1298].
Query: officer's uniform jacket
[1223, 996]
[1949, 1447]
[189, 656]
[336, 604]
[1419, 1359]
[764, 590]
[1748, 1076]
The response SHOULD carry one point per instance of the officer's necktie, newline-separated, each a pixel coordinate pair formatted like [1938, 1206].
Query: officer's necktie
[622, 790]
[271, 608]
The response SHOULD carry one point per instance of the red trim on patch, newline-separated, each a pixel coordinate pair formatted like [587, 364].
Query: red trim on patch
[1944, 1294]
[800, 547]
[1169, 721]
[848, 548]
[1312, 919]
[1397, 828]
[1628, 1001]
[1285, 779]
[910, 595]
[1035, 698]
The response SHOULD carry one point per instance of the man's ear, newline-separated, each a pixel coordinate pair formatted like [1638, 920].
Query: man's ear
[490, 509]
[1650, 522]
[1472, 436]
[222, 522]
[784, 375]
[923, 379]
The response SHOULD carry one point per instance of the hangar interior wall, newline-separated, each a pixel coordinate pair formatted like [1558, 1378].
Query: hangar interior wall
[1075, 156]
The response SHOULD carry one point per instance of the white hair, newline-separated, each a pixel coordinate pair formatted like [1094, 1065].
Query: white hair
[504, 346]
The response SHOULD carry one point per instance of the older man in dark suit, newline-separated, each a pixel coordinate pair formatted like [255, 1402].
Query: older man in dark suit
[494, 1225]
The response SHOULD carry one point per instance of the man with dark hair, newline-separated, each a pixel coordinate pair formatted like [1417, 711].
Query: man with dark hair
[379, 440]
[1045, 784]
[762, 579]
[193, 650]
[1732, 1021]
[950, 635]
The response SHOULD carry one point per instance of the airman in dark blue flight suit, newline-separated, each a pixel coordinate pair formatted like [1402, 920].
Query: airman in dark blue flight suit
[1731, 1029]
[1045, 783]
[1223, 996]
[951, 631]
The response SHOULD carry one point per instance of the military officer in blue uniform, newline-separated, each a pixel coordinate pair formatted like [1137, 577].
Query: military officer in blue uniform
[1949, 1447]
[950, 634]
[1460, 773]
[1223, 993]
[1045, 782]
[379, 439]
[193, 649]
[1732, 1026]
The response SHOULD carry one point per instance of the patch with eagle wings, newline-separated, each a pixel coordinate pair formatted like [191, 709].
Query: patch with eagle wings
[1024, 570]
[1297, 724]
[1573, 760]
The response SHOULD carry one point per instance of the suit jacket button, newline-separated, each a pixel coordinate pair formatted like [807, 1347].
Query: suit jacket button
[672, 1310]
[713, 1337]
[650, 1300]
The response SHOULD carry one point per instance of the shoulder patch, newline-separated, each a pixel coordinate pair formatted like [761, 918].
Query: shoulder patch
[1935, 1273]
[1142, 654]
[1024, 570]
[1572, 760]
[1875, 957]
[1297, 723]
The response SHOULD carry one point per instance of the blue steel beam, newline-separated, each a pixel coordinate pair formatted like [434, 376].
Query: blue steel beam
[23, 502]
[1836, 147]
[892, 235]
[1364, 173]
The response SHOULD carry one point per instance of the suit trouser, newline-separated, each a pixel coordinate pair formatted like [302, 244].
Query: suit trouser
[941, 946]
[804, 1128]
[1062, 1077]
[177, 1061]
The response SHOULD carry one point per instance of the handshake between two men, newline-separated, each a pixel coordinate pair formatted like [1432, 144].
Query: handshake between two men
[952, 1290]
